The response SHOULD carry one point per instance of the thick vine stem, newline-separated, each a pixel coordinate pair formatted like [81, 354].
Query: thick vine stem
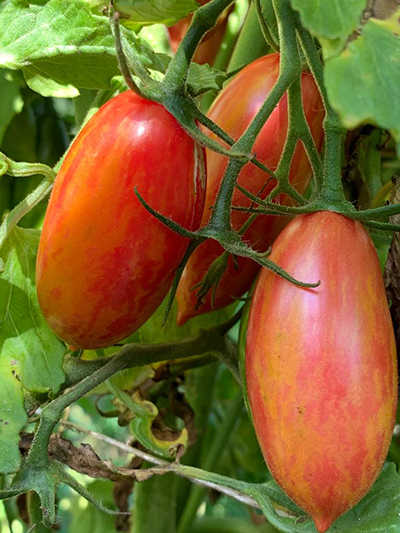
[376, 213]
[331, 193]
[298, 126]
[204, 342]
[289, 70]
[204, 19]
[330, 190]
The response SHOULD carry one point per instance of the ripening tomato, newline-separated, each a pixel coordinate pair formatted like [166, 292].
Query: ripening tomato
[209, 46]
[104, 262]
[321, 365]
[233, 110]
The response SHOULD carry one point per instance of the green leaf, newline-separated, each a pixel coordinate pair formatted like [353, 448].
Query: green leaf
[147, 12]
[62, 46]
[12, 414]
[363, 82]
[203, 78]
[379, 511]
[25, 337]
[331, 20]
[11, 102]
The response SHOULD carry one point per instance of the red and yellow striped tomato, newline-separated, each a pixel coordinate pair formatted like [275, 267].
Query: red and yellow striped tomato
[104, 262]
[233, 110]
[321, 365]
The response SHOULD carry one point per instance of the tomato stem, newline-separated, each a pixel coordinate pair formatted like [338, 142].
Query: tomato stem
[330, 191]
[290, 69]
[114, 17]
[298, 127]
[204, 19]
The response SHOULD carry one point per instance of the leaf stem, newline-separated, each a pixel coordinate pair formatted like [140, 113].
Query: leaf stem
[121, 56]
[28, 203]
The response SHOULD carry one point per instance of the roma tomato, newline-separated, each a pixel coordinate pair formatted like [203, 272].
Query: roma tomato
[233, 110]
[321, 365]
[104, 263]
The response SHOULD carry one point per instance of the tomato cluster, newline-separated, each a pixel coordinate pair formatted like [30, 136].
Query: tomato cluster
[320, 362]
[233, 111]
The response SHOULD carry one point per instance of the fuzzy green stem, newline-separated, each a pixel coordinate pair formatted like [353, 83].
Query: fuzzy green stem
[23, 170]
[290, 69]
[204, 20]
[300, 127]
[330, 191]
[127, 56]
[121, 56]
[219, 132]
[131, 355]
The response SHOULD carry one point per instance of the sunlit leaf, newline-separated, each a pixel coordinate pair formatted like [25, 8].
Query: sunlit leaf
[24, 335]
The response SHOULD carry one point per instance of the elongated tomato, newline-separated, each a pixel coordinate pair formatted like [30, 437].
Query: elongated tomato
[233, 110]
[321, 366]
[104, 263]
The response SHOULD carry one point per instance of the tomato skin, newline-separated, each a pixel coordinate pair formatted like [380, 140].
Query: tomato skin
[233, 110]
[104, 262]
[321, 366]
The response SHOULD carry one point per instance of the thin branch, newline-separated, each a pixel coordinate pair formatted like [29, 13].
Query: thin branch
[160, 462]
[121, 56]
